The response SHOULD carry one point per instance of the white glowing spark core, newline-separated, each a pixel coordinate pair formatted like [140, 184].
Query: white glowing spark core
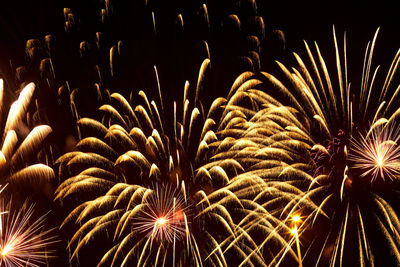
[162, 215]
[296, 218]
[293, 231]
[161, 221]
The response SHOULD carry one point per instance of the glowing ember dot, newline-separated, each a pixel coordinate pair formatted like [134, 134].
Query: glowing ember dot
[296, 218]
[161, 221]
[293, 231]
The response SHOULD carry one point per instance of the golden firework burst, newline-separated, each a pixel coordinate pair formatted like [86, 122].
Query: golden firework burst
[346, 136]
[172, 195]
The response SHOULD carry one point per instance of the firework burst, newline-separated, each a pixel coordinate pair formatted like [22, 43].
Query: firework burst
[24, 242]
[170, 195]
[163, 215]
[347, 139]
[163, 182]
[377, 155]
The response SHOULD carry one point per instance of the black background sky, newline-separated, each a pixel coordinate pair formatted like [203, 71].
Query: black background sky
[299, 20]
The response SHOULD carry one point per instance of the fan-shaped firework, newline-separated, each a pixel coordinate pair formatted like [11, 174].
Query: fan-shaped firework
[16, 155]
[171, 190]
[346, 154]
[23, 242]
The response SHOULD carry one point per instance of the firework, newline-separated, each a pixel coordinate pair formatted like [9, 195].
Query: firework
[24, 242]
[23, 239]
[85, 59]
[157, 191]
[377, 155]
[19, 144]
[121, 58]
[163, 215]
[342, 144]
[194, 169]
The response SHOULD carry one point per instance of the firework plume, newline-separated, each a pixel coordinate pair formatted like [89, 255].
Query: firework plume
[343, 145]
[23, 237]
[20, 145]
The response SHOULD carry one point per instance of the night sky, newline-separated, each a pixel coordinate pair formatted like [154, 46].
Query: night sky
[299, 20]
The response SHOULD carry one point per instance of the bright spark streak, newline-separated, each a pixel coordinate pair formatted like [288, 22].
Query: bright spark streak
[380, 160]
[6, 249]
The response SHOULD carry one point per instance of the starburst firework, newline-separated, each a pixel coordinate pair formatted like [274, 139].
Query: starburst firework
[163, 216]
[378, 154]
[24, 242]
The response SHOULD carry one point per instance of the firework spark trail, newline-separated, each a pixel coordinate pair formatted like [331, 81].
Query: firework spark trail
[332, 155]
